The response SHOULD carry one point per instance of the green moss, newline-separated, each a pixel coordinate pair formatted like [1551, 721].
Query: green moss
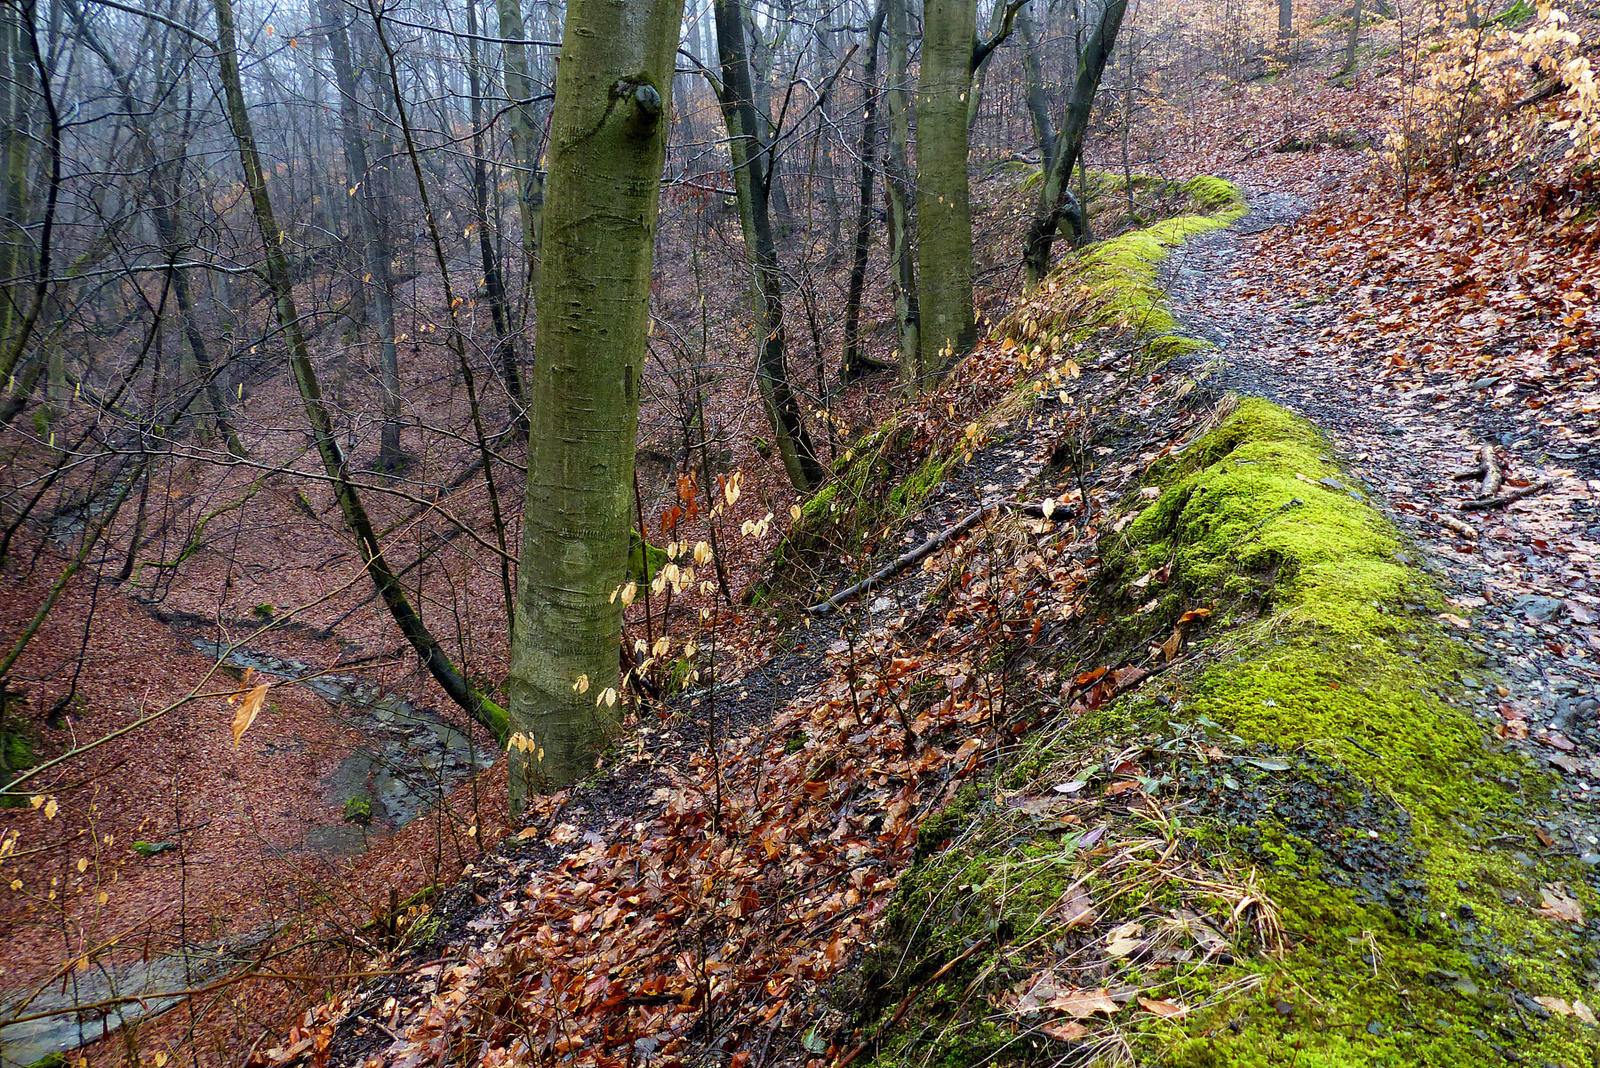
[1168, 346]
[1310, 752]
[915, 487]
[645, 561]
[1112, 284]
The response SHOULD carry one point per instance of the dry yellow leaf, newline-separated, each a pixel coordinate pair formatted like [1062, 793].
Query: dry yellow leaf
[246, 714]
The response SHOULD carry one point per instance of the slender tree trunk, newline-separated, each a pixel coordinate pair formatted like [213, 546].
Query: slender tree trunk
[852, 364]
[493, 283]
[944, 210]
[607, 146]
[900, 192]
[752, 176]
[372, 230]
[1055, 190]
[333, 460]
[980, 71]
[524, 137]
[1352, 44]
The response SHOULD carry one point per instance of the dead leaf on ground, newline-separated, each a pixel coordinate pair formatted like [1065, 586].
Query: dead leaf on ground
[1558, 904]
[1081, 1004]
[1164, 1008]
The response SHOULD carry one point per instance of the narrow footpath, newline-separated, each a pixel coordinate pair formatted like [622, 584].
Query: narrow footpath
[1523, 581]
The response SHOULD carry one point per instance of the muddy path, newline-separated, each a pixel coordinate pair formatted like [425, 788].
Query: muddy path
[1523, 583]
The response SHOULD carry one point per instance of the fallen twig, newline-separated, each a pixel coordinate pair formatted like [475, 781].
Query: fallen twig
[1493, 477]
[926, 549]
[1466, 530]
[1510, 498]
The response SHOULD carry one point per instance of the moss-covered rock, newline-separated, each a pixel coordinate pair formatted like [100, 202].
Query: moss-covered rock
[1327, 859]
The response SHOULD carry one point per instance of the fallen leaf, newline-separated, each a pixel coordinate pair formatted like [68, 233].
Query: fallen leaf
[246, 714]
[1065, 1032]
[1123, 940]
[1557, 904]
[1162, 1008]
[1081, 1004]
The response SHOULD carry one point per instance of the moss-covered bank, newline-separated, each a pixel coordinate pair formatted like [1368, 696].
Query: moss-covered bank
[1109, 287]
[1293, 845]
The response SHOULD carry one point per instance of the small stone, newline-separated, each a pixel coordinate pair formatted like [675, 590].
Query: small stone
[1591, 859]
[1540, 609]
[1567, 686]
[882, 604]
[1469, 682]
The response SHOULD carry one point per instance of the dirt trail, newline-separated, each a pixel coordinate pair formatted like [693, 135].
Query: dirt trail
[1524, 592]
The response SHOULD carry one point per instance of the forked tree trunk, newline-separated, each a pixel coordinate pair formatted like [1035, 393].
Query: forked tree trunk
[751, 162]
[1055, 190]
[607, 146]
[333, 460]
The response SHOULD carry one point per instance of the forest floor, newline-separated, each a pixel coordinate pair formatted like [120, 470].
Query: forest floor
[1523, 581]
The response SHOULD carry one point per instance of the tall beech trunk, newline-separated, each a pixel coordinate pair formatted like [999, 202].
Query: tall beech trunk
[752, 182]
[354, 512]
[951, 55]
[1055, 190]
[901, 194]
[607, 146]
[372, 229]
[1286, 19]
[852, 364]
[944, 210]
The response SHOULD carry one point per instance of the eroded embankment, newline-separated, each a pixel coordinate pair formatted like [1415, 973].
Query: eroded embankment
[1265, 831]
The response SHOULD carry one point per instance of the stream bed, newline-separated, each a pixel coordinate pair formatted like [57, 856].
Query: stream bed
[409, 760]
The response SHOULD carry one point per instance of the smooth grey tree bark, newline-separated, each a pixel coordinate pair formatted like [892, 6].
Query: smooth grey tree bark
[607, 147]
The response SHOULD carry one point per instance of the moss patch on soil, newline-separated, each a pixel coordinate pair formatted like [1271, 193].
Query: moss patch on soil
[1294, 845]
